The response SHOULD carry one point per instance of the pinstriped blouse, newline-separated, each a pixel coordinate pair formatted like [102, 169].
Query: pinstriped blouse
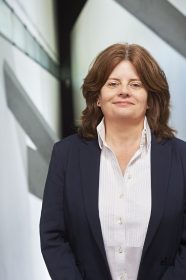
[124, 205]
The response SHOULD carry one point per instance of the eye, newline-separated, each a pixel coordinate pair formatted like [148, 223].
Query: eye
[135, 85]
[113, 84]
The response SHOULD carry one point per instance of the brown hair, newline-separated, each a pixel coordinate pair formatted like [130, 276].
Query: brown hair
[152, 77]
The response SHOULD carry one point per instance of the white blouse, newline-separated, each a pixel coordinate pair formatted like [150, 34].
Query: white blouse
[124, 205]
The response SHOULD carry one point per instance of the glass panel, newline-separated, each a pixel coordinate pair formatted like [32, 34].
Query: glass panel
[30, 45]
[5, 20]
[37, 52]
[15, 31]
[19, 34]
[44, 59]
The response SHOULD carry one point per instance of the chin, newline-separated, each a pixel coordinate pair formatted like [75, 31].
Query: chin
[128, 117]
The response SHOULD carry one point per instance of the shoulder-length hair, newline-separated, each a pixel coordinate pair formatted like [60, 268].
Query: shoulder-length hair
[151, 76]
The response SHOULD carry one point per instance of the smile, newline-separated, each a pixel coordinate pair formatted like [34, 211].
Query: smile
[123, 103]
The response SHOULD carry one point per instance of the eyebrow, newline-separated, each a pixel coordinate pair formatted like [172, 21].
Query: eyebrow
[134, 79]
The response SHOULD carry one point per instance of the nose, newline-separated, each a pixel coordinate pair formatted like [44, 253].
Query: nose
[124, 91]
[124, 94]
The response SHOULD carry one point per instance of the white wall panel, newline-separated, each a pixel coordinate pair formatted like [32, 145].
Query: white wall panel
[20, 257]
[15, 242]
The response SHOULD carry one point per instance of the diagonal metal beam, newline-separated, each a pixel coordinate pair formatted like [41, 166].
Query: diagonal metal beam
[28, 115]
[37, 172]
[35, 127]
[163, 18]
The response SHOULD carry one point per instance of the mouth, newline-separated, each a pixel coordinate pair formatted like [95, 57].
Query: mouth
[123, 103]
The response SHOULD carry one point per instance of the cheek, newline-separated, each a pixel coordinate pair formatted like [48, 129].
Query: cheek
[143, 99]
[144, 104]
[106, 94]
[104, 97]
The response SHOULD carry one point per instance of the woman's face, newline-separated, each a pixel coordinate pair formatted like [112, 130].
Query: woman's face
[123, 95]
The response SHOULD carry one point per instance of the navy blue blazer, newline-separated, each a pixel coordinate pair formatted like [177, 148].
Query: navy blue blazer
[70, 230]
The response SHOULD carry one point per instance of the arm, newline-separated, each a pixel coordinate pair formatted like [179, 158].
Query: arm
[55, 248]
[178, 271]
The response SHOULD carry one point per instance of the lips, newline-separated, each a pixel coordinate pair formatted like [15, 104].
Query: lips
[123, 103]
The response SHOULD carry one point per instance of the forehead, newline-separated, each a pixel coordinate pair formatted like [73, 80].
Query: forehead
[124, 69]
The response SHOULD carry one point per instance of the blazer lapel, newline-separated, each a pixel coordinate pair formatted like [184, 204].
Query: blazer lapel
[160, 170]
[89, 165]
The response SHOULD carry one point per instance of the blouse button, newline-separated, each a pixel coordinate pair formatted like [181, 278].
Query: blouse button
[121, 196]
[122, 277]
[129, 176]
[120, 222]
[120, 250]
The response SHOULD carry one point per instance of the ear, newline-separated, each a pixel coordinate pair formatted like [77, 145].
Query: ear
[98, 103]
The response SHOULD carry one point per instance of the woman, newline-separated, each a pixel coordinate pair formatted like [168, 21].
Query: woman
[114, 205]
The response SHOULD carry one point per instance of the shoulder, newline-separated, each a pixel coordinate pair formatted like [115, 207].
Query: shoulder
[73, 140]
[68, 148]
[63, 148]
[179, 144]
[73, 143]
[68, 141]
[179, 148]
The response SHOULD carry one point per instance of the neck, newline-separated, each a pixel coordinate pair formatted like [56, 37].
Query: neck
[123, 133]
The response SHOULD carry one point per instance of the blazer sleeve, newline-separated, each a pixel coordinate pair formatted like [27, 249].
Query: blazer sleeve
[55, 247]
[178, 271]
